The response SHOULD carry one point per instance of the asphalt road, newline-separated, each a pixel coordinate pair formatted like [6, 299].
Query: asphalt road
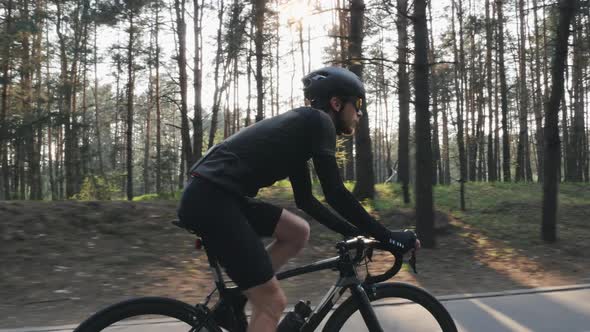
[547, 309]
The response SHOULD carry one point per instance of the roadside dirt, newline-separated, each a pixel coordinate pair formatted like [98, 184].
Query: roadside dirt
[62, 261]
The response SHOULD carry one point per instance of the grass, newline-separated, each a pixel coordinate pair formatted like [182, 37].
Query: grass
[510, 212]
[154, 197]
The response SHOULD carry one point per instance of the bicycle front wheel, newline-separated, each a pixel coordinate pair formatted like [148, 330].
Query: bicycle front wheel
[147, 313]
[398, 307]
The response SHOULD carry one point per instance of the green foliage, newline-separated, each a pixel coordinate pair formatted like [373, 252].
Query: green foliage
[368, 204]
[174, 196]
[512, 212]
[285, 183]
[508, 212]
[146, 197]
[96, 188]
[349, 185]
[388, 196]
[341, 156]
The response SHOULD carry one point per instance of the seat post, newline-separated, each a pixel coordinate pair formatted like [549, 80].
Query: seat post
[215, 268]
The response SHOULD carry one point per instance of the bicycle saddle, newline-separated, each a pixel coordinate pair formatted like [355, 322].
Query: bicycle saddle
[179, 223]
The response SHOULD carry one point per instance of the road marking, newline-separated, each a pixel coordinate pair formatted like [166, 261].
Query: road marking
[510, 323]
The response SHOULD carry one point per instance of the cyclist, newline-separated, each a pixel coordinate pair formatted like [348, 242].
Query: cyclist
[218, 201]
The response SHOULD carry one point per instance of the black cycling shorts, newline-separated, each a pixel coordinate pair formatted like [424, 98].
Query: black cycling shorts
[231, 227]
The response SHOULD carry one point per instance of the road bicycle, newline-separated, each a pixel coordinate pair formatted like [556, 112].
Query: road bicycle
[373, 304]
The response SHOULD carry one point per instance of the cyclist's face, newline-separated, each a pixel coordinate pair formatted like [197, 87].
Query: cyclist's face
[347, 111]
[350, 116]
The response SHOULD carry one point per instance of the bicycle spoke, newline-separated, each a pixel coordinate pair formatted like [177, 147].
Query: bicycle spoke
[395, 315]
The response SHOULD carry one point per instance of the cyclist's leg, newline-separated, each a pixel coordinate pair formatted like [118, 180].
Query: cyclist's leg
[221, 219]
[290, 237]
[290, 232]
[268, 302]
[224, 222]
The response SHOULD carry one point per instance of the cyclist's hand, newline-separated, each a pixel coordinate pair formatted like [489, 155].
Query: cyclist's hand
[402, 242]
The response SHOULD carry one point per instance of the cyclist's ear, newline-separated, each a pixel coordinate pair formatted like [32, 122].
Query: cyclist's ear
[335, 104]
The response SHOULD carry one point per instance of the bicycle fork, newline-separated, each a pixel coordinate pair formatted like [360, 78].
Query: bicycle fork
[367, 312]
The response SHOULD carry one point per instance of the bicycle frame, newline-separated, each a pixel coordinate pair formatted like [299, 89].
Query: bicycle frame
[348, 280]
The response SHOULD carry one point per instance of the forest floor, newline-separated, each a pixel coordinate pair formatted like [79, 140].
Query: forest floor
[61, 261]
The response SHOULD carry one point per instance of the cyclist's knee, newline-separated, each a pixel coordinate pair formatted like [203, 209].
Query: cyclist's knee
[303, 235]
[292, 229]
[267, 299]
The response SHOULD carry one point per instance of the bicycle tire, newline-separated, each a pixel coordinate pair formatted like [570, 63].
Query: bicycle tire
[394, 290]
[160, 306]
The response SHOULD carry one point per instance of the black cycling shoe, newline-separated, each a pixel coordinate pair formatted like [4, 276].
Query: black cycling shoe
[236, 321]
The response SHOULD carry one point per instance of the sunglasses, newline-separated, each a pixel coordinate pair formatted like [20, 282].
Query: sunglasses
[356, 101]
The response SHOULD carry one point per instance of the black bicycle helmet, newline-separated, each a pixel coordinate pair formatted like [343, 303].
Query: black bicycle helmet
[330, 82]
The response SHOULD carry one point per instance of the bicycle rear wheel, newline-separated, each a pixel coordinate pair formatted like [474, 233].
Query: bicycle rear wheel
[148, 314]
[399, 307]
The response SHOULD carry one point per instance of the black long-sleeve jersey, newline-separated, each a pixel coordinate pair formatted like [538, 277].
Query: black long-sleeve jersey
[280, 147]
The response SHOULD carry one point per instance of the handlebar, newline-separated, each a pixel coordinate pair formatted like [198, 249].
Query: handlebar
[364, 248]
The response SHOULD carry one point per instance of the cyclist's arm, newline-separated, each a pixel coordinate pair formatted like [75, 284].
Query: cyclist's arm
[305, 200]
[343, 201]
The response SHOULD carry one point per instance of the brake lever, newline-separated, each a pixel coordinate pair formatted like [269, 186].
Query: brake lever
[370, 254]
[412, 261]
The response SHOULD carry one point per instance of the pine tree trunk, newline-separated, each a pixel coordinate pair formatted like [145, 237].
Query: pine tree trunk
[497, 159]
[523, 138]
[503, 94]
[59, 163]
[249, 78]
[68, 78]
[96, 112]
[236, 97]
[4, 140]
[403, 153]
[301, 49]
[52, 186]
[271, 79]
[38, 127]
[75, 84]
[437, 173]
[481, 141]
[277, 60]
[116, 136]
[198, 80]
[52, 166]
[445, 155]
[150, 104]
[578, 132]
[84, 151]
[539, 97]
[424, 198]
[181, 59]
[365, 181]
[458, 56]
[471, 108]
[27, 139]
[436, 164]
[343, 27]
[489, 73]
[20, 173]
[158, 110]
[130, 91]
[217, 92]
[65, 106]
[259, 12]
[566, 137]
[551, 180]
[388, 161]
